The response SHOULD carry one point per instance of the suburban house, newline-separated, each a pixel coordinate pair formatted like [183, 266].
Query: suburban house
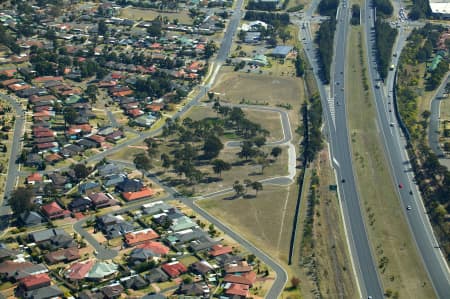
[79, 270]
[174, 269]
[219, 249]
[157, 248]
[102, 270]
[54, 211]
[101, 200]
[145, 192]
[62, 256]
[141, 236]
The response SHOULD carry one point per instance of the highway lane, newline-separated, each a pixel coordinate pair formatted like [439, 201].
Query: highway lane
[336, 123]
[395, 145]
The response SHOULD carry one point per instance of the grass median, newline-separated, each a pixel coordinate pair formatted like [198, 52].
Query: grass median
[399, 265]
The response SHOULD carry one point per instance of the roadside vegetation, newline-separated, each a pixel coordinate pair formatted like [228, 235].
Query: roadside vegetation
[420, 9]
[394, 252]
[384, 40]
[325, 38]
[413, 92]
[384, 7]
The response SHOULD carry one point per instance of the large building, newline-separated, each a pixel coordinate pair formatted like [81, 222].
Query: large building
[440, 7]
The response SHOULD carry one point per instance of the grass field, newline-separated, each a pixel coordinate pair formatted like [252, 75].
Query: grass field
[149, 15]
[386, 226]
[261, 88]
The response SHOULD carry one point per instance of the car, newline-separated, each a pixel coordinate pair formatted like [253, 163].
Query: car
[391, 124]
[400, 186]
[343, 180]
[408, 208]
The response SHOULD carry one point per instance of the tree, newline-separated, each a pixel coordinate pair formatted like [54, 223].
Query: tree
[247, 150]
[220, 165]
[276, 151]
[102, 27]
[20, 200]
[165, 160]
[81, 171]
[295, 282]
[212, 147]
[142, 162]
[257, 186]
[259, 141]
[238, 188]
[70, 115]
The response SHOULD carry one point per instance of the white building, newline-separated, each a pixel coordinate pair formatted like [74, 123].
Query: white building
[440, 7]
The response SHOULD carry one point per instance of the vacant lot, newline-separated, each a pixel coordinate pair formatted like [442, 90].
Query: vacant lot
[261, 89]
[403, 271]
[149, 15]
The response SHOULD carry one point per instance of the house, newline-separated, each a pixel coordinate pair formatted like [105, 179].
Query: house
[141, 255]
[79, 204]
[46, 235]
[101, 200]
[58, 179]
[237, 290]
[202, 243]
[219, 249]
[115, 136]
[30, 218]
[47, 292]
[252, 37]
[78, 271]
[113, 180]
[87, 143]
[135, 282]
[33, 160]
[70, 150]
[156, 275]
[6, 254]
[89, 187]
[112, 291]
[114, 226]
[130, 185]
[174, 269]
[34, 282]
[34, 269]
[63, 256]
[199, 289]
[239, 267]
[9, 268]
[182, 223]
[154, 208]
[141, 236]
[53, 158]
[154, 296]
[201, 267]
[54, 211]
[184, 236]
[141, 194]
[247, 278]
[102, 270]
[108, 169]
[157, 248]
[281, 51]
[33, 178]
[227, 258]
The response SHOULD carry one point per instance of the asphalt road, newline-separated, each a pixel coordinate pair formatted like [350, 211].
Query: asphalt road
[433, 134]
[336, 124]
[14, 151]
[409, 195]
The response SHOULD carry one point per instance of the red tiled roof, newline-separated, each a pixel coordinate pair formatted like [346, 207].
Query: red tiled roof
[10, 81]
[79, 270]
[248, 278]
[97, 138]
[123, 93]
[35, 280]
[135, 112]
[47, 78]
[9, 73]
[34, 177]
[145, 192]
[219, 249]
[17, 87]
[156, 247]
[138, 237]
[174, 269]
[238, 290]
[53, 158]
[53, 209]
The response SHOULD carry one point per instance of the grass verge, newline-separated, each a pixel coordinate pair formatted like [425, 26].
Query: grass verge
[395, 253]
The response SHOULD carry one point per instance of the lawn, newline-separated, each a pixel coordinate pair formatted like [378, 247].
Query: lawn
[149, 15]
[386, 226]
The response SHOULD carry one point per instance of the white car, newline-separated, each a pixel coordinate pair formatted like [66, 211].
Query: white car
[408, 208]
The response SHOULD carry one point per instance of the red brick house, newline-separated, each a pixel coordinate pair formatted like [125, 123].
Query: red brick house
[54, 211]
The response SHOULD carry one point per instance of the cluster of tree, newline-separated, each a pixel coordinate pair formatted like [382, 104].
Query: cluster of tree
[312, 122]
[384, 7]
[328, 8]
[21, 201]
[325, 42]
[299, 66]
[420, 9]
[261, 5]
[437, 75]
[153, 86]
[8, 40]
[242, 189]
[268, 17]
[384, 40]
[356, 15]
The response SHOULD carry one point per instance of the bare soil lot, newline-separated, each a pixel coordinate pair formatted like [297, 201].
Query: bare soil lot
[149, 15]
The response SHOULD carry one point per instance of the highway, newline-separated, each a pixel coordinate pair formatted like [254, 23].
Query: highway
[337, 132]
[395, 144]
